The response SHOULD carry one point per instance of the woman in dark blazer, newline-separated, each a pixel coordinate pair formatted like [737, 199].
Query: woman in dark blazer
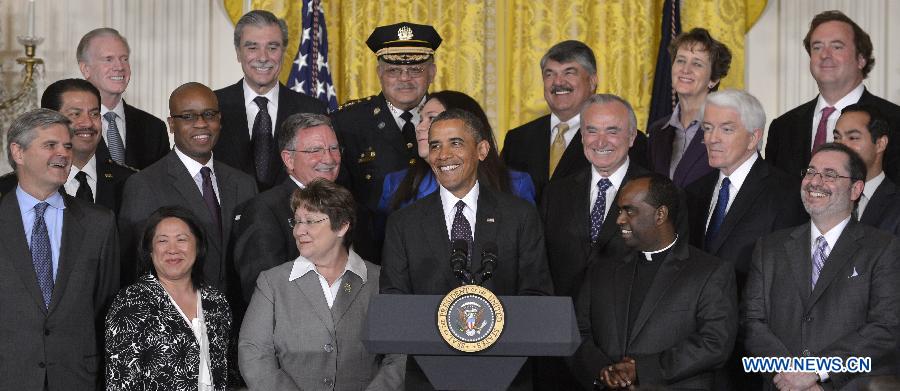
[403, 187]
[675, 143]
[169, 331]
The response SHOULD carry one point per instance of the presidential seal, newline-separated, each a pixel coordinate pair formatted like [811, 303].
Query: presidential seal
[470, 318]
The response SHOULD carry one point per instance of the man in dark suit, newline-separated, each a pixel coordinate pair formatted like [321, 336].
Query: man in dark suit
[132, 136]
[664, 315]
[378, 132]
[827, 288]
[419, 236]
[840, 58]
[263, 238]
[190, 177]
[247, 141]
[863, 129]
[59, 265]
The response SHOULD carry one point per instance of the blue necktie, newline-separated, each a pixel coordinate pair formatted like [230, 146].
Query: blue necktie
[114, 139]
[718, 216]
[598, 212]
[41, 254]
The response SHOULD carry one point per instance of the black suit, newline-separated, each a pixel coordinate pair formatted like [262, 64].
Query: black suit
[790, 136]
[684, 329]
[883, 210]
[146, 140]
[168, 182]
[235, 147]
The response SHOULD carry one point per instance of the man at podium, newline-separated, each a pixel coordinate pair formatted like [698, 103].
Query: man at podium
[482, 222]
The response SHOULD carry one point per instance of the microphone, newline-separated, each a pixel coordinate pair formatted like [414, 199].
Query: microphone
[459, 256]
[488, 261]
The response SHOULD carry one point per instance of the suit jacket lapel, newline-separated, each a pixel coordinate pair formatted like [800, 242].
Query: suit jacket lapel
[750, 190]
[14, 243]
[665, 277]
[805, 130]
[309, 286]
[69, 249]
[580, 204]
[799, 258]
[486, 221]
[434, 229]
[227, 199]
[661, 149]
[235, 106]
[568, 161]
[350, 287]
[842, 253]
[694, 154]
[880, 201]
[622, 283]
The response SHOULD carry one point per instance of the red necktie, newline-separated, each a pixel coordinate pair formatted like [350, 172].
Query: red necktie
[823, 127]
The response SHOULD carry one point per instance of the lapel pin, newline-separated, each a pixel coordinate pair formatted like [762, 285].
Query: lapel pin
[490, 219]
[376, 111]
[381, 125]
[107, 175]
[347, 287]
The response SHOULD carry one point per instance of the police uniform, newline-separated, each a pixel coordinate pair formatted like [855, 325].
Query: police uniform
[374, 144]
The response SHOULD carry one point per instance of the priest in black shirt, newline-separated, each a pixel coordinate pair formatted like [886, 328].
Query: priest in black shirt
[665, 314]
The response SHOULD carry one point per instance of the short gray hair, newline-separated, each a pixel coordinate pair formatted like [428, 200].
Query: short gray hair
[24, 129]
[752, 114]
[85, 43]
[602, 99]
[572, 50]
[287, 136]
[259, 18]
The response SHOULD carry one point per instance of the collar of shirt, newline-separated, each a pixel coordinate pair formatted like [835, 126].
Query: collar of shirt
[648, 255]
[119, 109]
[27, 201]
[831, 236]
[574, 124]
[120, 120]
[872, 185]
[675, 120]
[297, 182]
[448, 202]
[416, 112]
[737, 179]
[616, 179]
[253, 109]
[53, 218]
[354, 264]
[192, 165]
[90, 169]
[852, 97]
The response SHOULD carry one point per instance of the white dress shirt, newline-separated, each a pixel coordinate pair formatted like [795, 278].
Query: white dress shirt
[574, 124]
[849, 99]
[253, 108]
[616, 179]
[90, 171]
[354, 265]
[120, 120]
[737, 179]
[416, 112]
[868, 192]
[448, 203]
[194, 168]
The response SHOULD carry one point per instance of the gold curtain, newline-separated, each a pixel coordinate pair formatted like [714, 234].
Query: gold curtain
[492, 48]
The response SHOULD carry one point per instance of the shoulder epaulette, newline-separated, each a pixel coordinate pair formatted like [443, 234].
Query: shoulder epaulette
[355, 101]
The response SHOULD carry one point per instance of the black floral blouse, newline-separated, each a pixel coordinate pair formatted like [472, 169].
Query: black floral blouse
[149, 346]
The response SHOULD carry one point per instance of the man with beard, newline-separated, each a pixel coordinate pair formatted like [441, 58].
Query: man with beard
[59, 265]
[188, 176]
[664, 315]
[827, 288]
[254, 108]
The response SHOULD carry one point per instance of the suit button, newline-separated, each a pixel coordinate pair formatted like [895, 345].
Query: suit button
[805, 353]
[47, 332]
[368, 177]
[409, 145]
[327, 382]
[328, 347]
[807, 319]
[42, 365]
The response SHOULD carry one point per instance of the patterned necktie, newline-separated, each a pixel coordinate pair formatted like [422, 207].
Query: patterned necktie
[262, 140]
[718, 216]
[409, 131]
[599, 210]
[822, 129]
[819, 257]
[558, 147]
[113, 139]
[209, 198]
[84, 190]
[461, 228]
[41, 254]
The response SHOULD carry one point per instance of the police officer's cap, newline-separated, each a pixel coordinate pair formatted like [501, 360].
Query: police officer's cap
[404, 43]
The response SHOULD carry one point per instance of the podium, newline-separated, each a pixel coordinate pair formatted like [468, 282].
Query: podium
[535, 326]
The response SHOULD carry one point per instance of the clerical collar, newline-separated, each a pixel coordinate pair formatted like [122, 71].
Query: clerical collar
[648, 255]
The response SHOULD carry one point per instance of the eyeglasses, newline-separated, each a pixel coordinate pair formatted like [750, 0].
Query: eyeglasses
[412, 72]
[294, 222]
[319, 150]
[827, 176]
[207, 115]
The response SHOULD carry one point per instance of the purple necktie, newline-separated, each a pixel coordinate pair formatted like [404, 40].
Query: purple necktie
[819, 257]
[209, 198]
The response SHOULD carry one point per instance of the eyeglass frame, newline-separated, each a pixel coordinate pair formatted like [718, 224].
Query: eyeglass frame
[827, 177]
[207, 116]
[413, 72]
[292, 222]
[319, 150]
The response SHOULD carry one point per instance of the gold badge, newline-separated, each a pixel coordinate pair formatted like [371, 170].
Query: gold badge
[376, 111]
[470, 318]
[405, 33]
[347, 287]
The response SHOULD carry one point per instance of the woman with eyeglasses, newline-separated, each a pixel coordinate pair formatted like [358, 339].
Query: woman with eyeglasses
[303, 328]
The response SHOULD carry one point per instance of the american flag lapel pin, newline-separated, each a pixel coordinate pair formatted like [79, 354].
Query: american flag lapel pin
[490, 219]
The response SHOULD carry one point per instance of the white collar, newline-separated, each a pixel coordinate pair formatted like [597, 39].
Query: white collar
[852, 97]
[574, 122]
[739, 175]
[297, 182]
[250, 95]
[449, 200]
[831, 236]
[617, 176]
[648, 255]
[192, 165]
[90, 169]
[119, 109]
[872, 185]
[354, 264]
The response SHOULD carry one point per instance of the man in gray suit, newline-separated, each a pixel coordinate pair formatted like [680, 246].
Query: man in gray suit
[191, 177]
[827, 288]
[59, 265]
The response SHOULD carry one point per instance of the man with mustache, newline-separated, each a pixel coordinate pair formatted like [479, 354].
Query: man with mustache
[131, 136]
[840, 58]
[549, 147]
[827, 288]
[663, 315]
[189, 176]
[254, 108]
[59, 265]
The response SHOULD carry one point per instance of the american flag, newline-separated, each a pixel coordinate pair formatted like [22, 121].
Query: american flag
[310, 74]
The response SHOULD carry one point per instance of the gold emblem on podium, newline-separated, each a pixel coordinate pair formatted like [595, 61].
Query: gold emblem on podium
[470, 318]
